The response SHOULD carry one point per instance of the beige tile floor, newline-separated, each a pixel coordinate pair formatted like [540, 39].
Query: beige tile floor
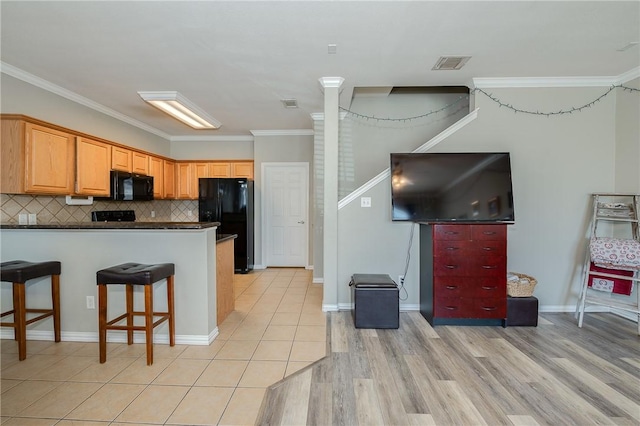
[278, 327]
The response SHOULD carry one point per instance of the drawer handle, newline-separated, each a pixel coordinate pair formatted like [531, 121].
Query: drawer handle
[451, 232]
[451, 287]
[488, 248]
[452, 248]
[451, 266]
[489, 232]
[489, 308]
[486, 287]
[451, 308]
[489, 267]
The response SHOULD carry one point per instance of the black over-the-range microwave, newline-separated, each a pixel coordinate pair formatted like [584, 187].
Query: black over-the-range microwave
[131, 187]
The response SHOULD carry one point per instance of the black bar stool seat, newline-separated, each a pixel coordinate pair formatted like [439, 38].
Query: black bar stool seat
[130, 274]
[19, 272]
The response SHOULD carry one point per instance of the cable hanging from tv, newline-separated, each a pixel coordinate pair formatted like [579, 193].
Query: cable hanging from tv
[499, 102]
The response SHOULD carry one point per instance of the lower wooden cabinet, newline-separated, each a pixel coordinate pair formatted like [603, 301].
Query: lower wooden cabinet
[463, 273]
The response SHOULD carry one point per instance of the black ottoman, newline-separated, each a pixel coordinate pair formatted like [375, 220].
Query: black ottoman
[522, 311]
[375, 301]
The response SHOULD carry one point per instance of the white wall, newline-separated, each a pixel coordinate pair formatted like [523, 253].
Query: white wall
[628, 139]
[557, 162]
[19, 97]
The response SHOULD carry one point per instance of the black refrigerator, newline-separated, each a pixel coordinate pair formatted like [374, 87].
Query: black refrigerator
[230, 202]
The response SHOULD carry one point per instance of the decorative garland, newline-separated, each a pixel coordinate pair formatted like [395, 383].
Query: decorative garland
[499, 102]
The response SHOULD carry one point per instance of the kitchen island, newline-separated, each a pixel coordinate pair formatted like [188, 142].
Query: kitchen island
[86, 247]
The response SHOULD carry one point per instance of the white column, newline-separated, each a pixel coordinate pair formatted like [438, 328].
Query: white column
[331, 86]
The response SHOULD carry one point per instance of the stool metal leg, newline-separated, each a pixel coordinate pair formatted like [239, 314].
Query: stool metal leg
[20, 319]
[148, 321]
[170, 305]
[129, 296]
[55, 300]
[102, 321]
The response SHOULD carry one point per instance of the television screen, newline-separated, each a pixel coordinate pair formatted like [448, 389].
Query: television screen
[451, 187]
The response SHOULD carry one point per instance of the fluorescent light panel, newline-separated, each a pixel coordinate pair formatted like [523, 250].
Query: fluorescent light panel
[179, 107]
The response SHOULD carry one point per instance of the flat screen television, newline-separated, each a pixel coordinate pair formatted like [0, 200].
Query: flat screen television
[451, 187]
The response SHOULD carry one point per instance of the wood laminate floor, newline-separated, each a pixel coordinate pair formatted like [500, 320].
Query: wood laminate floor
[553, 374]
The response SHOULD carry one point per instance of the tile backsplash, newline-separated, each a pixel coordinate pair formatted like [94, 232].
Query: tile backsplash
[52, 209]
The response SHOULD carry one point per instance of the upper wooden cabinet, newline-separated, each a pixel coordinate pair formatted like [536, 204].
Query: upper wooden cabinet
[242, 169]
[156, 170]
[169, 179]
[121, 159]
[139, 163]
[36, 159]
[184, 181]
[220, 169]
[93, 163]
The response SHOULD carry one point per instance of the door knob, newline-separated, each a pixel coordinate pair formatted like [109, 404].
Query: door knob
[301, 222]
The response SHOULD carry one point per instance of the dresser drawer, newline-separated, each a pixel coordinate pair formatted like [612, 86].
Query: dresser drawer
[487, 308]
[487, 266]
[487, 247]
[451, 232]
[484, 288]
[450, 247]
[450, 266]
[447, 287]
[489, 232]
[452, 307]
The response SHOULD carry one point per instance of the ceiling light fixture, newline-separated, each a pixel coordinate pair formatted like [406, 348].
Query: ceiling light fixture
[179, 107]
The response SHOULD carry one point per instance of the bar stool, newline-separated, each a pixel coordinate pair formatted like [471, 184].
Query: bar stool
[19, 272]
[131, 274]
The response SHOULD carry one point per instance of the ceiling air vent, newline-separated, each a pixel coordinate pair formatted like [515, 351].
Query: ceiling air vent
[290, 103]
[448, 63]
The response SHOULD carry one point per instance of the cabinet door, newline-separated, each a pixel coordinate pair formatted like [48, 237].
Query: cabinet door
[242, 169]
[49, 161]
[140, 163]
[220, 170]
[169, 179]
[200, 170]
[120, 159]
[156, 170]
[184, 181]
[93, 163]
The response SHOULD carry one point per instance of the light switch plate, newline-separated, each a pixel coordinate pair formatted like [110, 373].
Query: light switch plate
[365, 201]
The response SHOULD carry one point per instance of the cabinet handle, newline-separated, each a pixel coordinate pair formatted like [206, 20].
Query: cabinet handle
[489, 232]
[451, 266]
[489, 267]
[488, 248]
[486, 287]
[452, 248]
[451, 232]
[489, 308]
[450, 308]
[451, 287]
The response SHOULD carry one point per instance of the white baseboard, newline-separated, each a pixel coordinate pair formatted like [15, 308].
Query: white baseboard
[318, 281]
[114, 336]
[330, 308]
[259, 267]
[309, 267]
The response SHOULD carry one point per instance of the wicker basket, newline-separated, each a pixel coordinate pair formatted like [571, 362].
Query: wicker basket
[518, 289]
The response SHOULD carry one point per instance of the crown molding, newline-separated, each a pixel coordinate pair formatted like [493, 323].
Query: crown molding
[628, 76]
[67, 94]
[292, 132]
[212, 138]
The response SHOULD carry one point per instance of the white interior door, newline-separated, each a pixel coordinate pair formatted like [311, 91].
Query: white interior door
[285, 206]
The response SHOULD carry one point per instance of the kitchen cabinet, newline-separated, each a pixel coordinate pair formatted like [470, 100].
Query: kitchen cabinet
[156, 170]
[199, 170]
[220, 169]
[463, 274]
[36, 159]
[242, 169]
[225, 298]
[169, 179]
[139, 163]
[184, 181]
[121, 159]
[93, 164]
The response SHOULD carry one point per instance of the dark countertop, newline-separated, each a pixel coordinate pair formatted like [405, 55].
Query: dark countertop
[116, 225]
[225, 237]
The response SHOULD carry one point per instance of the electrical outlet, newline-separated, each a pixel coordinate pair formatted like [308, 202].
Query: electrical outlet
[365, 201]
[153, 213]
[189, 213]
[400, 279]
[91, 302]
